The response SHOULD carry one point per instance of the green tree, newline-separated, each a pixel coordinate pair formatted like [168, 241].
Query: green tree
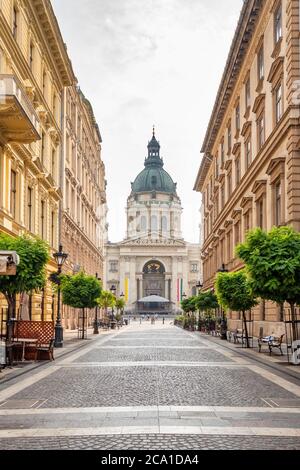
[234, 293]
[120, 305]
[31, 272]
[207, 303]
[106, 300]
[273, 262]
[80, 291]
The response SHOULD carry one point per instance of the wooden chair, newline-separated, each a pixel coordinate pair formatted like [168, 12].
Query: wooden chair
[46, 351]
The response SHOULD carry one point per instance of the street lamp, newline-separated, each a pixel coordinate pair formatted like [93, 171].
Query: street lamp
[199, 286]
[113, 290]
[223, 322]
[60, 258]
[96, 329]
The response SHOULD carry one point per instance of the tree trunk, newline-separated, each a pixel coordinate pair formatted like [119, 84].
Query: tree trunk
[294, 324]
[11, 313]
[83, 322]
[246, 329]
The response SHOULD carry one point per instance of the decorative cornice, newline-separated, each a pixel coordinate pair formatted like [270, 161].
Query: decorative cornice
[277, 65]
[259, 102]
[240, 44]
[258, 185]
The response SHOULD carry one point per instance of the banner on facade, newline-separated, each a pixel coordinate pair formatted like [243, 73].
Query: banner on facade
[126, 290]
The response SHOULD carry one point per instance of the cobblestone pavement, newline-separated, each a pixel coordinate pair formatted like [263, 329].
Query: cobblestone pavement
[151, 387]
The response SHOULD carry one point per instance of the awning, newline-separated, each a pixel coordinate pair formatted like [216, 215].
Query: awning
[154, 299]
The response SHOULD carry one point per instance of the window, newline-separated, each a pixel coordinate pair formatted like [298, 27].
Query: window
[44, 82]
[260, 213]
[42, 219]
[154, 223]
[229, 139]
[247, 222]
[222, 153]
[237, 230]
[194, 267]
[238, 118]
[222, 197]
[217, 166]
[29, 208]
[31, 56]
[52, 241]
[54, 105]
[13, 193]
[53, 164]
[260, 64]
[278, 24]
[278, 203]
[261, 131]
[164, 223]
[15, 22]
[43, 147]
[248, 152]
[278, 103]
[247, 93]
[229, 183]
[238, 170]
[113, 266]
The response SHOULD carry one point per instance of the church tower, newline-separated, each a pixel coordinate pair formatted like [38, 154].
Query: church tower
[153, 207]
[153, 259]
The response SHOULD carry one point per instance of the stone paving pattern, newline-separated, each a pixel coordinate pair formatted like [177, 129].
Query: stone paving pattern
[83, 383]
[154, 442]
[153, 354]
[147, 386]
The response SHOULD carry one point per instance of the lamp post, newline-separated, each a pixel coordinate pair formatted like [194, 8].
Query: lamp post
[60, 258]
[223, 322]
[113, 290]
[96, 329]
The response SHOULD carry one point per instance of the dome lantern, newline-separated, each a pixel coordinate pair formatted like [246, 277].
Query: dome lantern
[154, 177]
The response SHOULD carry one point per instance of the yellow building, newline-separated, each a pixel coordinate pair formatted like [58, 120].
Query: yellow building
[34, 70]
[250, 173]
[84, 187]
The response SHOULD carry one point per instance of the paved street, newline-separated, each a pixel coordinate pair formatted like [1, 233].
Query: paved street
[151, 387]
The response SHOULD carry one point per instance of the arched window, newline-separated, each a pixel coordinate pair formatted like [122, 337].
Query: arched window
[143, 223]
[164, 223]
[154, 223]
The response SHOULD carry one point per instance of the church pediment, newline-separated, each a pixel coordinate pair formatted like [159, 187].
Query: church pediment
[153, 241]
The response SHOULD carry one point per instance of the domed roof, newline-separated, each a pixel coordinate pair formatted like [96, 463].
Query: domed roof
[154, 177]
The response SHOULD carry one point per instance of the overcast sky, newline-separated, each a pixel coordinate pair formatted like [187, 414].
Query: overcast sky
[145, 62]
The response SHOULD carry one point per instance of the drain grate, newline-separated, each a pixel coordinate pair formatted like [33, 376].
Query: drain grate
[21, 404]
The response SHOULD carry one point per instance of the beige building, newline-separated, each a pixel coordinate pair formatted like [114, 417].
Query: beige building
[84, 188]
[250, 173]
[51, 173]
[34, 70]
[153, 259]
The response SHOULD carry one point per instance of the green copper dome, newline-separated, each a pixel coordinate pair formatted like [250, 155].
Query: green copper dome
[154, 177]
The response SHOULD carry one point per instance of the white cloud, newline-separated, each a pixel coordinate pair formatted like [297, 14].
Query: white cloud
[142, 62]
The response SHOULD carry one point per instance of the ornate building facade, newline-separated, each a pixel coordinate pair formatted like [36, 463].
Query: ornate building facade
[154, 259]
[84, 188]
[52, 178]
[34, 70]
[250, 173]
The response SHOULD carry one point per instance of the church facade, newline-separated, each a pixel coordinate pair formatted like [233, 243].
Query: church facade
[153, 259]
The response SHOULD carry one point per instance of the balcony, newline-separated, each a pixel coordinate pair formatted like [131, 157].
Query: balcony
[18, 120]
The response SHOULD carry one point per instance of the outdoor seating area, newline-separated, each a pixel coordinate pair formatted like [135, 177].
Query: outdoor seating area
[32, 340]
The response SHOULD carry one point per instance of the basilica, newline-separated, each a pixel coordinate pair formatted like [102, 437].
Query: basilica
[154, 268]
